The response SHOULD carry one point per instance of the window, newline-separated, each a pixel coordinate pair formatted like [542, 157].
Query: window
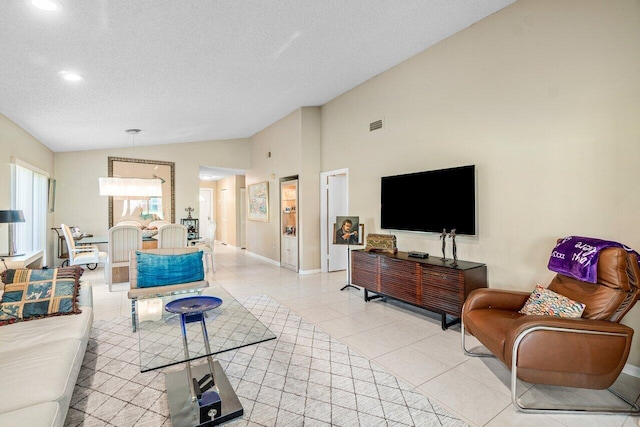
[30, 192]
[148, 208]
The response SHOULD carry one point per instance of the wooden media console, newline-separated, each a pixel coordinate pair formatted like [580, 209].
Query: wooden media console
[429, 283]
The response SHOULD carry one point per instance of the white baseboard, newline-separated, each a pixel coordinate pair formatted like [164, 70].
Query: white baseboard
[263, 258]
[272, 262]
[632, 370]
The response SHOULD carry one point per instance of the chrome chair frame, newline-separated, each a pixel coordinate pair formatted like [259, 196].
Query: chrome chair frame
[633, 409]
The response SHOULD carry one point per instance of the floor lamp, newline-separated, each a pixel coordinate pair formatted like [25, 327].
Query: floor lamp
[342, 236]
[11, 217]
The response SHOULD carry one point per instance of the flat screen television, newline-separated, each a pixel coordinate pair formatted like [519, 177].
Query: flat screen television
[430, 201]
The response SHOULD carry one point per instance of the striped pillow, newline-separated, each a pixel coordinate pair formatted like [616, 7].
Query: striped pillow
[544, 302]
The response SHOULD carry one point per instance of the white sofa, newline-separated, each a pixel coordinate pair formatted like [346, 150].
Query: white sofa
[39, 364]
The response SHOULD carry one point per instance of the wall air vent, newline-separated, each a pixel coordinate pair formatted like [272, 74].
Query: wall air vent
[375, 125]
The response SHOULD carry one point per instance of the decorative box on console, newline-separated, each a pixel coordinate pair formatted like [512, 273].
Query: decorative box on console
[381, 243]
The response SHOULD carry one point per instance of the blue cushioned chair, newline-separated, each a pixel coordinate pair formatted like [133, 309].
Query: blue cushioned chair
[172, 272]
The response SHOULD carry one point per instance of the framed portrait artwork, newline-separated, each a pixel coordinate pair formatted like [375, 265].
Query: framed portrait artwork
[258, 202]
[347, 230]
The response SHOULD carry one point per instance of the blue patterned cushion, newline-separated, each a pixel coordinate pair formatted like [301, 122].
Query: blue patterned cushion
[543, 301]
[161, 270]
[32, 294]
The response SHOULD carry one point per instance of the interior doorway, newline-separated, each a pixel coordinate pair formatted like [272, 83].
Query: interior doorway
[334, 201]
[207, 213]
[224, 233]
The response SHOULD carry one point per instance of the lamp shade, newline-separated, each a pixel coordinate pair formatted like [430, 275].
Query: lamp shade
[11, 216]
[130, 187]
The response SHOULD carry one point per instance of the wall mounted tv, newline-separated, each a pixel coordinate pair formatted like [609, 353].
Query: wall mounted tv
[430, 201]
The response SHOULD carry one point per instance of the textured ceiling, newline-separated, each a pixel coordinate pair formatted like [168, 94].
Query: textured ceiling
[198, 70]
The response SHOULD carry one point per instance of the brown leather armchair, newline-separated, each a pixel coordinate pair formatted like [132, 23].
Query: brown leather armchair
[587, 352]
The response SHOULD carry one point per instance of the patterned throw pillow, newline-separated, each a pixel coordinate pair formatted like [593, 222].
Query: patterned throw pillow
[32, 294]
[544, 302]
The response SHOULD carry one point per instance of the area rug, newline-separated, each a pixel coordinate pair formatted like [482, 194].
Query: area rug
[302, 378]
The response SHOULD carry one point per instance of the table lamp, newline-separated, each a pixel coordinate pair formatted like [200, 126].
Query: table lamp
[11, 217]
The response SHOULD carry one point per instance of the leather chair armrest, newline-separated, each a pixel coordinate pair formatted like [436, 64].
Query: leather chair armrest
[568, 351]
[495, 298]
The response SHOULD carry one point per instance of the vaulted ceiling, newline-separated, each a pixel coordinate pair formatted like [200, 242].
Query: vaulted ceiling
[197, 70]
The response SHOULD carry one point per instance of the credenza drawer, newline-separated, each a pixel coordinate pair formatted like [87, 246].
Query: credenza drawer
[443, 300]
[364, 270]
[364, 278]
[396, 287]
[365, 261]
[443, 278]
[407, 270]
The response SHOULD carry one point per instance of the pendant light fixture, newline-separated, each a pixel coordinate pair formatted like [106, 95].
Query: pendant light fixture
[131, 188]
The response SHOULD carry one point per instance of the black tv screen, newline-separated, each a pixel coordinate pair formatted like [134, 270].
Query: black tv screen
[430, 201]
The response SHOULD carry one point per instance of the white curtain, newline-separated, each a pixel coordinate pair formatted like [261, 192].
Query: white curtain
[30, 196]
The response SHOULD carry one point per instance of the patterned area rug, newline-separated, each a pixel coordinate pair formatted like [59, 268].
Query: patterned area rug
[302, 378]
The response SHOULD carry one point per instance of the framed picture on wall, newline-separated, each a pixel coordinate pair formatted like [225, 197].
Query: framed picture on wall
[258, 202]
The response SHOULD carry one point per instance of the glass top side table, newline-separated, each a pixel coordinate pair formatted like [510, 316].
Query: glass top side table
[175, 329]
[230, 326]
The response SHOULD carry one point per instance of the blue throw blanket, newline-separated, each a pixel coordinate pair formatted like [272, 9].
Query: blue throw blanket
[577, 256]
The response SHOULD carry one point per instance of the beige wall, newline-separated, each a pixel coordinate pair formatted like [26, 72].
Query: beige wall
[294, 144]
[309, 189]
[282, 139]
[544, 98]
[16, 142]
[239, 185]
[79, 202]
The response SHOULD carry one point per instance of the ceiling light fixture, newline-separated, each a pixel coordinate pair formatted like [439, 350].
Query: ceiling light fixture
[70, 76]
[48, 5]
[131, 188]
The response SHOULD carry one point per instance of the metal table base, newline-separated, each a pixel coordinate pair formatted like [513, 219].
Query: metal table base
[185, 412]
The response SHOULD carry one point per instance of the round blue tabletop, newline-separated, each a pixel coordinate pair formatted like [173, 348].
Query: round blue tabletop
[193, 305]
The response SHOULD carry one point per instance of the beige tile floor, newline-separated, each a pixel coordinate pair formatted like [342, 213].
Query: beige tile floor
[406, 341]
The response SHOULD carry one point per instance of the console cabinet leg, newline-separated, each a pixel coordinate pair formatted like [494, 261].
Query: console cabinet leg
[446, 325]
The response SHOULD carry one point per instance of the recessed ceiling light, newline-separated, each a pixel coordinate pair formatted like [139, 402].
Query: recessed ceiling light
[46, 4]
[70, 76]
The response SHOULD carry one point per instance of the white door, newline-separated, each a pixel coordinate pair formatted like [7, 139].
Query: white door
[334, 202]
[206, 209]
